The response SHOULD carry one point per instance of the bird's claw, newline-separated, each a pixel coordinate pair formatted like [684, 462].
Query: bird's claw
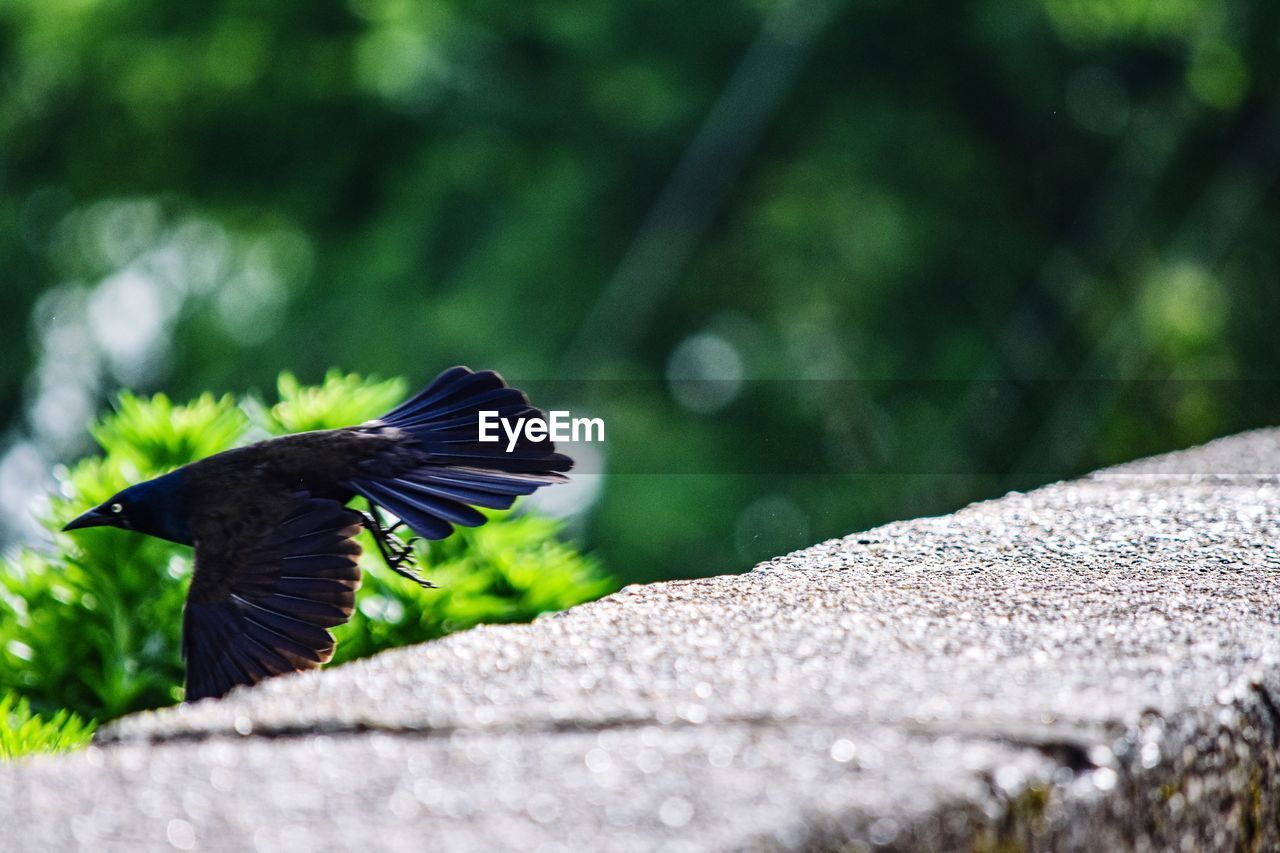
[396, 553]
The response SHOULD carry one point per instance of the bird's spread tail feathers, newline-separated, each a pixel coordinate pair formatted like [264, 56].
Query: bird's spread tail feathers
[456, 472]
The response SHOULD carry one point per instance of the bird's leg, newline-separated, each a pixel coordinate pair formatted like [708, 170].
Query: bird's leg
[396, 553]
[394, 549]
[374, 525]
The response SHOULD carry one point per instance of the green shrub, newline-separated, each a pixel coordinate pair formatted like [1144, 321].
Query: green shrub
[25, 733]
[94, 624]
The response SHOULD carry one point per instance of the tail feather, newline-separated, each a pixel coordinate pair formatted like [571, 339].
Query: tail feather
[453, 494]
[465, 423]
[444, 418]
[455, 386]
[430, 483]
[493, 398]
[405, 499]
[457, 470]
[498, 482]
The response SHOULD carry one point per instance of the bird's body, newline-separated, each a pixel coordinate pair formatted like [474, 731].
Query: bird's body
[276, 561]
[219, 488]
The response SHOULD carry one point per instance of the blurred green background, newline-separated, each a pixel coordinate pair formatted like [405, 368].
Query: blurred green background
[919, 256]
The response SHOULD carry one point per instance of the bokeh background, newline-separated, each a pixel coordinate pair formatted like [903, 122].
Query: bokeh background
[821, 264]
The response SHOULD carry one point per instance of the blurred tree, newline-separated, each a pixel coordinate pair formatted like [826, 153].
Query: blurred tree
[196, 196]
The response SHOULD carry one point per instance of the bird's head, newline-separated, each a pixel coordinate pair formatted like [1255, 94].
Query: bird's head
[154, 507]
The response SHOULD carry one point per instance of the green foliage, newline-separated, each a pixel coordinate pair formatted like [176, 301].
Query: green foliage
[156, 435]
[94, 625]
[24, 733]
[341, 400]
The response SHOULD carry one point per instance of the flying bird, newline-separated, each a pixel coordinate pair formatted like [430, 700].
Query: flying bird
[275, 551]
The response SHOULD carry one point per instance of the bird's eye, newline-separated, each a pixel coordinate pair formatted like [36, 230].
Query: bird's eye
[117, 508]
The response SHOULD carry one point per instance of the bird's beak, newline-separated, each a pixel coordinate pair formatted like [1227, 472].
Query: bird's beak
[96, 517]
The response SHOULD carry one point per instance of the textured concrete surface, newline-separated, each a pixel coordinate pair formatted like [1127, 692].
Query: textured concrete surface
[1089, 666]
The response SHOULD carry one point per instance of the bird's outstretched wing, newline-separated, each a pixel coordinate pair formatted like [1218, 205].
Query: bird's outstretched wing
[262, 597]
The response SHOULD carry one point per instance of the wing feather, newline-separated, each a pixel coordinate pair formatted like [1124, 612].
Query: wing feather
[262, 607]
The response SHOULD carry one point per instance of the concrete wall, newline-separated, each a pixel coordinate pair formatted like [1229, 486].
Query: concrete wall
[1090, 666]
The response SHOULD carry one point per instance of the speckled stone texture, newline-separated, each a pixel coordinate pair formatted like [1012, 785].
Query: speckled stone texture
[1091, 666]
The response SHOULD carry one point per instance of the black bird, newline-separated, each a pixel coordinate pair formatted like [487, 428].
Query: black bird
[275, 555]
